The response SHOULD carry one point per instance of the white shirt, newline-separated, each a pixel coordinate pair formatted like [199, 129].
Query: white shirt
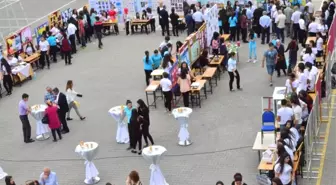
[285, 114]
[302, 24]
[295, 133]
[319, 44]
[165, 83]
[312, 78]
[281, 20]
[313, 27]
[54, 30]
[197, 16]
[232, 65]
[304, 108]
[297, 113]
[273, 10]
[302, 82]
[295, 85]
[275, 15]
[323, 29]
[71, 29]
[309, 58]
[290, 152]
[286, 175]
[296, 17]
[310, 7]
[44, 45]
[71, 95]
[13, 61]
[149, 15]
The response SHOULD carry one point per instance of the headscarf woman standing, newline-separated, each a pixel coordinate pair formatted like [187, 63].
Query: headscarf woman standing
[293, 48]
[7, 76]
[143, 112]
[281, 61]
[136, 131]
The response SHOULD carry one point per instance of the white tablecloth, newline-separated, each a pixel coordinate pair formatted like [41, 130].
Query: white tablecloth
[182, 118]
[154, 157]
[122, 135]
[23, 69]
[89, 153]
[38, 113]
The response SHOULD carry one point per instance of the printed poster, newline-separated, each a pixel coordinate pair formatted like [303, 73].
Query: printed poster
[140, 5]
[211, 20]
[100, 5]
[66, 15]
[54, 18]
[118, 4]
[177, 5]
[174, 75]
[195, 50]
[26, 35]
[39, 31]
[13, 43]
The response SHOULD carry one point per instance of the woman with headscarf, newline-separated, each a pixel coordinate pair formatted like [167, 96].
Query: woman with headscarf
[136, 132]
[7, 76]
[143, 112]
[281, 60]
[53, 120]
[293, 48]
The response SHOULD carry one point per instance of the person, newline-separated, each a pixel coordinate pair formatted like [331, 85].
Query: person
[288, 11]
[283, 169]
[185, 66]
[184, 82]
[319, 44]
[198, 19]
[52, 41]
[284, 114]
[302, 78]
[72, 36]
[53, 120]
[164, 20]
[280, 22]
[223, 51]
[291, 83]
[133, 178]
[148, 66]
[30, 49]
[164, 44]
[190, 23]
[81, 30]
[281, 60]
[307, 99]
[98, 27]
[49, 96]
[88, 25]
[233, 72]
[70, 96]
[203, 59]
[296, 106]
[270, 57]
[151, 19]
[265, 23]
[302, 31]
[238, 179]
[167, 63]
[136, 132]
[293, 48]
[309, 56]
[294, 133]
[233, 27]
[62, 103]
[215, 43]
[295, 20]
[24, 110]
[166, 86]
[44, 48]
[7, 76]
[127, 20]
[311, 72]
[156, 58]
[128, 113]
[252, 47]
[12, 60]
[174, 21]
[219, 183]
[66, 49]
[244, 26]
[276, 181]
[143, 112]
[48, 177]
[313, 27]
[9, 180]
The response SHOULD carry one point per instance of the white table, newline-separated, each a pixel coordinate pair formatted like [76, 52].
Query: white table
[157, 73]
[122, 135]
[182, 114]
[23, 69]
[153, 154]
[42, 130]
[268, 143]
[279, 94]
[88, 152]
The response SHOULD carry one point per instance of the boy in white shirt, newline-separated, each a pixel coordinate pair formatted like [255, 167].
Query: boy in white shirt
[166, 86]
[284, 114]
[291, 83]
[311, 71]
[302, 78]
[319, 44]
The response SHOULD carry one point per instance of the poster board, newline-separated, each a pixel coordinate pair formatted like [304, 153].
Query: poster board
[39, 31]
[54, 18]
[177, 5]
[201, 37]
[118, 4]
[13, 43]
[195, 50]
[184, 54]
[100, 5]
[140, 5]
[26, 35]
[66, 15]
[173, 75]
[211, 20]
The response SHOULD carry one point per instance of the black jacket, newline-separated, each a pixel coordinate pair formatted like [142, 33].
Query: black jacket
[144, 119]
[164, 16]
[62, 103]
[174, 18]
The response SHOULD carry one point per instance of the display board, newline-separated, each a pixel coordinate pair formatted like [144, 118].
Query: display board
[55, 18]
[118, 4]
[194, 50]
[201, 37]
[177, 5]
[184, 54]
[26, 35]
[13, 43]
[140, 5]
[211, 19]
[100, 5]
[66, 15]
[39, 31]
[173, 75]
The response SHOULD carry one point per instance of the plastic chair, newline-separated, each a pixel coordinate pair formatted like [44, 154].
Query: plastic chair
[268, 124]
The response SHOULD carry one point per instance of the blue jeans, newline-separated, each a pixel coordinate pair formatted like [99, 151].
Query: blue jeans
[252, 51]
[270, 69]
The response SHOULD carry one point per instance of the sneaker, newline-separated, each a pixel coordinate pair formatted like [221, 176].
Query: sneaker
[249, 60]
[254, 61]
[271, 84]
[69, 119]
[232, 90]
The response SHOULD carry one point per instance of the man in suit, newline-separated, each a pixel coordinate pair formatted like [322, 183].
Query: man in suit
[174, 21]
[164, 21]
[63, 108]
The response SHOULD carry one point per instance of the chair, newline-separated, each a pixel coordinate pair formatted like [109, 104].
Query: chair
[268, 124]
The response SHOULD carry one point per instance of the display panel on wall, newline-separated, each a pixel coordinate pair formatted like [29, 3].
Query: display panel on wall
[13, 43]
[39, 31]
[177, 5]
[26, 35]
[54, 18]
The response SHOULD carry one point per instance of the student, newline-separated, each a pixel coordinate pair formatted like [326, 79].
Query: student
[156, 58]
[283, 169]
[291, 83]
[7, 76]
[313, 28]
[148, 66]
[270, 58]
[309, 56]
[238, 179]
[233, 72]
[98, 27]
[302, 30]
[319, 44]
[233, 27]
[284, 114]
[223, 51]
[215, 44]
[174, 21]
[296, 106]
[185, 83]
[166, 86]
[66, 49]
[30, 49]
[293, 132]
[252, 47]
[44, 48]
[311, 72]
[293, 48]
[53, 46]
[302, 78]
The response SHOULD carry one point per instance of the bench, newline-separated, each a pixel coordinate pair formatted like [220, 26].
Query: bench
[208, 75]
[216, 62]
[151, 90]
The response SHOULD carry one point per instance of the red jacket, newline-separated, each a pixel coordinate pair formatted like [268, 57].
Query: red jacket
[54, 121]
[65, 45]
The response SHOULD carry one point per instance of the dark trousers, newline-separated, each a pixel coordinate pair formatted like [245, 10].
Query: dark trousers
[138, 139]
[296, 29]
[319, 53]
[77, 36]
[61, 116]
[167, 99]
[25, 128]
[265, 32]
[233, 33]
[274, 27]
[186, 99]
[146, 134]
[116, 28]
[99, 37]
[53, 132]
[302, 37]
[311, 34]
[281, 34]
[148, 76]
[244, 34]
[238, 31]
[131, 135]
[87, 34]
[165, 28]
[152, 24]
[232, 76]
[127, 25]
[53, 51]
[175, 30]
[67, 57]
[43, 58]
[83, 41]
[72, 39]
[8, 83]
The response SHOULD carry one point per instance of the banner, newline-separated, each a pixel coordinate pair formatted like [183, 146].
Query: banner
[194, 50]
[54, 18]
[66, 15]
[201, 37]
[13, 43]
[26, 35]
[211, 20]
[184, 54]
[100, 5]
[39, 31]
[332, 36]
